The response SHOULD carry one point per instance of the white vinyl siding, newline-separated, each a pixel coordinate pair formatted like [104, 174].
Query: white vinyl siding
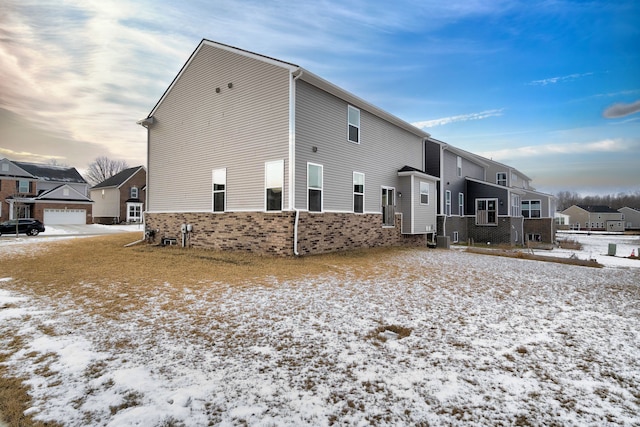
[197, 129]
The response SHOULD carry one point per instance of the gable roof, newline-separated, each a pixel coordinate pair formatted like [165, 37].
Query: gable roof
[118, 179]
[597, 209]
[52, 173]
[297, 72]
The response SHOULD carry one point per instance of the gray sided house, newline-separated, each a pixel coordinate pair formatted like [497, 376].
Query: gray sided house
[51, 194]
[486, 202]
[256, 154]
[631, 218]
[594, 218]
[121, 197]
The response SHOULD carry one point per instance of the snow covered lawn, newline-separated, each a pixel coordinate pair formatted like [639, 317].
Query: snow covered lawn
[423, 337]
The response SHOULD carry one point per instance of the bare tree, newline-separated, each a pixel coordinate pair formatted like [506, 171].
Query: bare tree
[103, 168]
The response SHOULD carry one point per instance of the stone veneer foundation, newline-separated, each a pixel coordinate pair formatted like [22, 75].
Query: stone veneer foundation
[273, 233]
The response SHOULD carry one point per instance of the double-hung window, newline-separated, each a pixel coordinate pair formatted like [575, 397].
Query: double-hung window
[531, 208]
[353, 132]
[23, 186]
[515, 205]
[501, 178]
[447, 203]
[133, 193]
[219, 189]
[424, 193]
[461, 204]
[486, 211]
[274, 179]
[358, 192]
[314, 187]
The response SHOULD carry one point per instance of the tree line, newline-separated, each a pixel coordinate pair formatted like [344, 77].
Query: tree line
[567, 199]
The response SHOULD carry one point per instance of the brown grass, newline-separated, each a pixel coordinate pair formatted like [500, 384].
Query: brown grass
[525, 255]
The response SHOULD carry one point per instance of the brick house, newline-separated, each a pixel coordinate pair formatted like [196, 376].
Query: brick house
[51, 194]
[121, 197]
[256, 154]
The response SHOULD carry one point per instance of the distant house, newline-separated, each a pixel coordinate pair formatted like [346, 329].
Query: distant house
[51, 194]
[594, 218]
[631, 218]
[121, 197]
[256, 154]
[562, 221]
[486, 201]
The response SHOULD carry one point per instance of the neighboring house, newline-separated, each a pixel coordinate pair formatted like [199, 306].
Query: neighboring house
[594, 218]
[121, 197]
[257, 154]
[562, 221]
[631, 218]
[51, 194]
[486, 201]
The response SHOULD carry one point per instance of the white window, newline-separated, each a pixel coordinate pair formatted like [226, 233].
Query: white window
[134, 212]
[515, 205]
[455, 237]
[531, 208]
[314, 187]
[486, 211]
[424, 193]
[388, 206]
[134, 193]
[274, 180]
[358, 192]
[501, 178]
[219, 189]
[447, 203]
[353, 131]
[65, 191]
[23, 186]
[461, 204]
[459, 166]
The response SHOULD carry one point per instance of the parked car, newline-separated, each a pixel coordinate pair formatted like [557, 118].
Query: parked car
[27, 226]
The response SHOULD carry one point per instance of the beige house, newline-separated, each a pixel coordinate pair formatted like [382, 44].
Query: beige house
[121, 197]
[631, 218]
[594, 218]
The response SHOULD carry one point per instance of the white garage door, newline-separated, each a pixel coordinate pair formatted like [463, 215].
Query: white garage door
[65, 216]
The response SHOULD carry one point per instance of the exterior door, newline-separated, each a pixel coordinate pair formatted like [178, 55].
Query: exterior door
[388, 206]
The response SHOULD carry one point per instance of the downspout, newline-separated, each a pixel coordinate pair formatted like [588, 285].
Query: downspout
[292, 157]
[442, 191]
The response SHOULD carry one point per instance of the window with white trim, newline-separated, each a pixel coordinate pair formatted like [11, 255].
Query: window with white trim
[134, 212]
[353, 128]
[23, 186]
[459, 166]
[461, 204]
[486, 211]
[314, 187]
[515, 205]
[219, 182]
[531, 208]
[358, 192]
[447, 203]
[455, 237]
[134, 193]
[274, 180]
[501, 178]
[424, 193]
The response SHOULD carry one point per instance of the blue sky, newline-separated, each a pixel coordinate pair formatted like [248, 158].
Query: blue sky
[549, 87]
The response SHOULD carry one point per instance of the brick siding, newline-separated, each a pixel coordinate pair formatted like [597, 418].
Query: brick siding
[273, 233]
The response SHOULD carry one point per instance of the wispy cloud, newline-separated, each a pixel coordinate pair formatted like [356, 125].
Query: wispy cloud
[605, 145]
[620, 110]
[460, 118]
[560, 79]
